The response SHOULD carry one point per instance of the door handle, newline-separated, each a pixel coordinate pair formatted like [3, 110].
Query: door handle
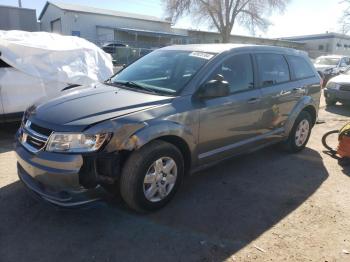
[253, 100]
[284, 92]
[300, 90]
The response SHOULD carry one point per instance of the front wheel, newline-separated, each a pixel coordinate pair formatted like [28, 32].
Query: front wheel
[151, 176]
[300, 133]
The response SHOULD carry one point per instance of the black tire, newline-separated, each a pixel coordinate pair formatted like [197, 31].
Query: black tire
[290, 144]
[330, 102]
[135, 169]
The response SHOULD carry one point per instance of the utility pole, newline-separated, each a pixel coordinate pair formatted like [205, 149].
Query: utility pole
[20, 3]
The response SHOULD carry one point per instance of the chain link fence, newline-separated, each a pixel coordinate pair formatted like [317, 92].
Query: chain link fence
[125, 55]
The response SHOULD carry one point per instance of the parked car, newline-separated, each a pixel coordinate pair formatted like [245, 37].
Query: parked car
[338, 89]
[19, 90]
[331, 65]
[110, 48]
[170, 113]
[24, 79]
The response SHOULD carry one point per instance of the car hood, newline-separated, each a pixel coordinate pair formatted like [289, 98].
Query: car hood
[323, 68]
[341, 79]
[86, 106]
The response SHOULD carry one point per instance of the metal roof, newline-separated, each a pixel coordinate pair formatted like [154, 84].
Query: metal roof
[147, 32]
[317, 37]
[99, 11]
[245, 36]
[16, 7]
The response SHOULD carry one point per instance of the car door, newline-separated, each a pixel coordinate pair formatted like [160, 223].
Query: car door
[279, 92]
[228, 124]
[303, 73]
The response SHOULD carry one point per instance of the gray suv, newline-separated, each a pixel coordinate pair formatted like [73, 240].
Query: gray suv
[170, 113]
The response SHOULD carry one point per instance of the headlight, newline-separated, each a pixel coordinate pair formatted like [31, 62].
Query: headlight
[76, 142]
[333, 85]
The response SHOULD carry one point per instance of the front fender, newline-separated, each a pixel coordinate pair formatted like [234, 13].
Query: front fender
[300, 106]
[157, 130]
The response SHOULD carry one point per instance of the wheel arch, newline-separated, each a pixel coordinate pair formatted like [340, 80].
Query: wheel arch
[312, 111]
[306, 104]
[171, 132]
[181, 144]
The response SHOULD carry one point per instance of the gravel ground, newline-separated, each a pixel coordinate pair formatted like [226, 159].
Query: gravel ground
[266, 206]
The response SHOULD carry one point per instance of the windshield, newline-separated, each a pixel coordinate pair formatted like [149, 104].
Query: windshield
[327, 61]
[162, 71]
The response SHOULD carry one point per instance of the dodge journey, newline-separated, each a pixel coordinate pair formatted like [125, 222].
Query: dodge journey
[172, 112]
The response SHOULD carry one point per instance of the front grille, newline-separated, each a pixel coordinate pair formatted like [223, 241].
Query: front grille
[344, 88]
[34, 137]
[37, 144]
[40, 130]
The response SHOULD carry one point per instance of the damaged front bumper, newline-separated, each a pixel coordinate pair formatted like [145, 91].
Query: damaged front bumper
[66, 180]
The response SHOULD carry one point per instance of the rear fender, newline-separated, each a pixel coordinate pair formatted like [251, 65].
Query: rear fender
[300, 106]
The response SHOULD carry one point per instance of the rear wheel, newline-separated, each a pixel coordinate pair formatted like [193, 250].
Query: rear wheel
[151, 176]
[300, 133]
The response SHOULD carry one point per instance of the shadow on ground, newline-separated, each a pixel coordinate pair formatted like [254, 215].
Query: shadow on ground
[7, 132]
[216, 213]
[339, 109]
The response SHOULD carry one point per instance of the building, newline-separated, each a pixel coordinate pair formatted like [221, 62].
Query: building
[101, 25]
[16, 18]
[324, 44]
[198, 37]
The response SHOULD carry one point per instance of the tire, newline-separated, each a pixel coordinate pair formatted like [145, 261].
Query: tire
[330, 102]
[141, 162]
[291, 145]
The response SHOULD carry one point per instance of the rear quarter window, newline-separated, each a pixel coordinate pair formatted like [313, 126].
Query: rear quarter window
[301, 68]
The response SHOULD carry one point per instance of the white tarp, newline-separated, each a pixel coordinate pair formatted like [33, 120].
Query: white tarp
[53, 57]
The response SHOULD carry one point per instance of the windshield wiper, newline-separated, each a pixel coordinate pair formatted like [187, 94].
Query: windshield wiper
[133, 84]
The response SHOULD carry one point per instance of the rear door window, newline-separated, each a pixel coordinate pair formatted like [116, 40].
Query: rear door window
[300, 67]
[273, 69]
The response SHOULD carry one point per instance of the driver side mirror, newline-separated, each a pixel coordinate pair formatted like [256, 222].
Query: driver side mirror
[217, 87]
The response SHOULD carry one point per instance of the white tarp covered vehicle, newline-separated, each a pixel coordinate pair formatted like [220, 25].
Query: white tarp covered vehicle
[35, 65]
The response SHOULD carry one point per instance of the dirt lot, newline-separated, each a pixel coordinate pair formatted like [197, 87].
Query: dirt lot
[267, 206]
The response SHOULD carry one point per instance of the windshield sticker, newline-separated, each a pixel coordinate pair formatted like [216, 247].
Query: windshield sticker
[202, 55]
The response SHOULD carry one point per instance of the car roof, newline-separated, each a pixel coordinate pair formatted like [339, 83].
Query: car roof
[332, 56]
[220, 48]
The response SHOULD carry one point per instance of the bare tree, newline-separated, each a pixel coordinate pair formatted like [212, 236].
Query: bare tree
[345, 19]
[223, 14]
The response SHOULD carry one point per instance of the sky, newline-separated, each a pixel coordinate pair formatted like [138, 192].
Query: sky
[301, 17]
